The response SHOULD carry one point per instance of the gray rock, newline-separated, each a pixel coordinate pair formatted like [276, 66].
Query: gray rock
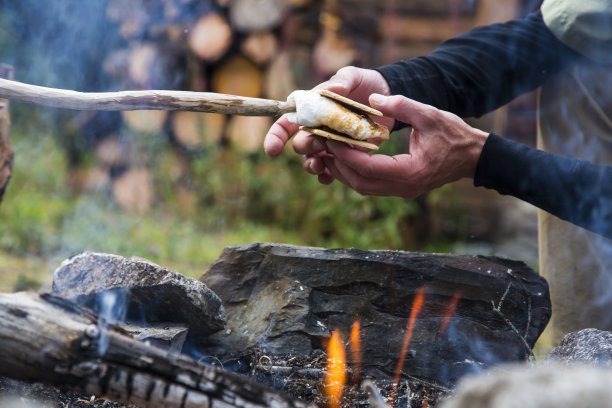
[542, 386]
[588, 346]
[138, 290]
[288, 299]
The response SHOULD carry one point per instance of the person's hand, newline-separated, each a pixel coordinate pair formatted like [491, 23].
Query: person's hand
[443, 149]
[354, 83]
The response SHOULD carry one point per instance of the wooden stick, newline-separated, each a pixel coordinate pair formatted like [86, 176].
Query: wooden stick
[6, 154]
[141, 100]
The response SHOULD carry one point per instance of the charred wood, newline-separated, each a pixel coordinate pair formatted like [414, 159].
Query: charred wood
[47, 339]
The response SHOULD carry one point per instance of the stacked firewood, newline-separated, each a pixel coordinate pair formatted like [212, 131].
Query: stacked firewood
[256, 48]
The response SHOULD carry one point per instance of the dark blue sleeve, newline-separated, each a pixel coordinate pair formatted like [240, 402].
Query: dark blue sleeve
[483, 69]
[574, 190]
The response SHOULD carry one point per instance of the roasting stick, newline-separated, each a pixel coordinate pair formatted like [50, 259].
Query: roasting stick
[175, 101]
[141, 100]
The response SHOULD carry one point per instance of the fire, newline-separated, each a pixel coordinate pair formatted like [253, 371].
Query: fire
[450, 311]
[355, 343]
[417, 305]
[335, 376]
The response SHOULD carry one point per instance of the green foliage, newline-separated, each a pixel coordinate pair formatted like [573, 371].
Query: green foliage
[35, 201]
[238, 199]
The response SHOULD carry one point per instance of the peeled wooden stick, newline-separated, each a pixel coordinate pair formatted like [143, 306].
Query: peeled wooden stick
[141, 100]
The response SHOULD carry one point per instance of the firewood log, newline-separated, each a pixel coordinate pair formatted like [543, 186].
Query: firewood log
[132, 16]
[432, 29]
[333, 52]
[260, 47]
[142, 58]
[254, 15]
[279, 80]
[146, 121]
[238, 76]
[247, 132]
[133, 190]
[47, 339]
[210, 37]
[83, 179]
[496, 12]
[192, 129]
[111, 152]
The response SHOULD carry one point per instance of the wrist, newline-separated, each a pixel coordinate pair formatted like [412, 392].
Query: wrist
[477, 139]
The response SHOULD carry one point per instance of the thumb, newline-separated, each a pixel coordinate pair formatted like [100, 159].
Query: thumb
[401, 108]
[344, 81]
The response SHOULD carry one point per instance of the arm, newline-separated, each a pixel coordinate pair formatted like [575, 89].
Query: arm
[483, 69]
[574, 190]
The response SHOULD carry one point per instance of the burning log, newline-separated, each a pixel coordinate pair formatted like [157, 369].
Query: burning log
[47, 339]
[6, 154]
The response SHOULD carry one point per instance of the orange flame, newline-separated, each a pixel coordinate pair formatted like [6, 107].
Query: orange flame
[450, 311]
[335, 375]
[417, 304]
[355, 343]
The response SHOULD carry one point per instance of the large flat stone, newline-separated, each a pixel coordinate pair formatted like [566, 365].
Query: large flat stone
[288, 299]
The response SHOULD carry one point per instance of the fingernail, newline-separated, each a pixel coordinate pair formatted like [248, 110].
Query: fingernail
[312, 168]
[378, 99]
[337, 85]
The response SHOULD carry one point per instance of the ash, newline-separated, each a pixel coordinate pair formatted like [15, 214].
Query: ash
[18, 394]
[301, 377]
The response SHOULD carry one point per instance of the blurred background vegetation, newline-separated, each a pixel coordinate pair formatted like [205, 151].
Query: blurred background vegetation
[151, 186]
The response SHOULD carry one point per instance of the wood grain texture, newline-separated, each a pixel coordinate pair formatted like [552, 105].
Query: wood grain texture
[139, 100]
[47, 339]
[6, 154]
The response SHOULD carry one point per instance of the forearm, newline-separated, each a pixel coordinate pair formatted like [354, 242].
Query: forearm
[574, 190]
[483, 69]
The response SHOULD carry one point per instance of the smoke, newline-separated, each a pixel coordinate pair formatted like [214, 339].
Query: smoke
[112, 308]
[57, 43]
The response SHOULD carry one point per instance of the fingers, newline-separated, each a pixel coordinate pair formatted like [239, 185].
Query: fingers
[308, 144]
[364, 165]
[404, 109]
[278, 135]
[366, 186]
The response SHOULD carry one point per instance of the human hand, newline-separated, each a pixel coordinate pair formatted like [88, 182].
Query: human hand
[354, 83]
[443, 149]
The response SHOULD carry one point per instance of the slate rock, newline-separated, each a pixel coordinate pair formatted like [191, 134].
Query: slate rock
[138, 290]
[288, 299]
[588, 346]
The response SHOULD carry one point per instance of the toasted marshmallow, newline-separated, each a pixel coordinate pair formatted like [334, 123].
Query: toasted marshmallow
[314, 110]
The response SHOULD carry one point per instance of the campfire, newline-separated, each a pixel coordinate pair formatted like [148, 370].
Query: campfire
[273, 325]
